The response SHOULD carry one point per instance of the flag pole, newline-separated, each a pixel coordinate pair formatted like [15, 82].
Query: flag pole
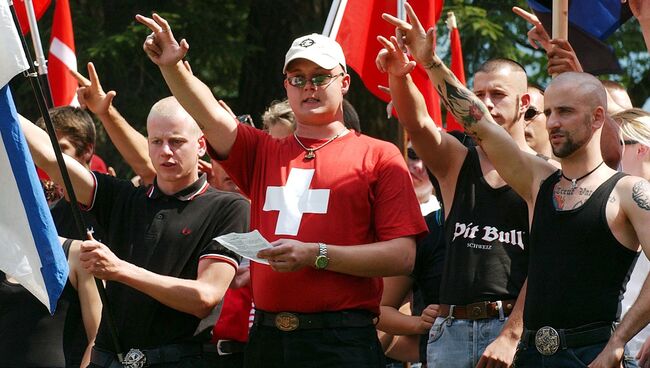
[40, 62]
[74, 206]
[334, 18]
[560, 19]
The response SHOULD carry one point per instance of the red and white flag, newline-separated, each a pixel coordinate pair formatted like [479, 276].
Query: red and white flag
[62, 57]
[457, 65]
[356, 25]
[40, 7]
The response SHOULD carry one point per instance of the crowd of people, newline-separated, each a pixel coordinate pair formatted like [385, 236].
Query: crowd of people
[508, 244]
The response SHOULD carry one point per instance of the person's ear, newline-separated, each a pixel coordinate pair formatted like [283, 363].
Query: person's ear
[345, 85]
[202, 146]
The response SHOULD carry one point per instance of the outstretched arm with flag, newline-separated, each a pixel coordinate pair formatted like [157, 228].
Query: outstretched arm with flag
[31, 252]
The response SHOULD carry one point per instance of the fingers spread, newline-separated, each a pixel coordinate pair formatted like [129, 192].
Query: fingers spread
[415, 22]
[397, 22]
[150, 23]
[83, 82]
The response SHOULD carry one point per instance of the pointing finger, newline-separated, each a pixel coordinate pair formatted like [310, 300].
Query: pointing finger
[83, 81]
[405, 26]
[150, 23]
[415, 22]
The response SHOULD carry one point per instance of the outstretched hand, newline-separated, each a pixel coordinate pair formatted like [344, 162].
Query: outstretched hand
[91, 94]
[418, 41]
[391, 59]
[161, 46]
[537, 36]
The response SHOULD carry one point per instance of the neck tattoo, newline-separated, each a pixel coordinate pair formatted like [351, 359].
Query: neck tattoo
[311, 152]
[574, 182]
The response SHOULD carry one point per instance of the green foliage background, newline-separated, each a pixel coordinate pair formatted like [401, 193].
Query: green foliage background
[237, 47]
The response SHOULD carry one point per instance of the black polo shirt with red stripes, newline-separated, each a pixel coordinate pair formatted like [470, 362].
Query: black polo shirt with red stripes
[165, 234]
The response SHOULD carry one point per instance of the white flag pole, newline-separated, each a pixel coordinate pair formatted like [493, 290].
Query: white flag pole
[334, 17]
[40, 63]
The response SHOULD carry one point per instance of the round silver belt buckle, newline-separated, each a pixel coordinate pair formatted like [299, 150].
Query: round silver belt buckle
[135, 358]
[547, 340]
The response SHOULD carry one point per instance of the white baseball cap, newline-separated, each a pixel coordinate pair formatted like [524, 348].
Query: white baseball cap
[322, 50]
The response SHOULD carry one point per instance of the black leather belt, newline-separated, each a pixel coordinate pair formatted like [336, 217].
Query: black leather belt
[287, 321]
[548, 340]
[479, 310]
[227, 347]
[136, 358]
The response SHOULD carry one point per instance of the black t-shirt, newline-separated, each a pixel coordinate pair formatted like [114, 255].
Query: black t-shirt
[487, 240]
[578, 270]
[166, 235]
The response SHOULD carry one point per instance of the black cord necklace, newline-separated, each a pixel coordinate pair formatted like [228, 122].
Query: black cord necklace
[575, 181]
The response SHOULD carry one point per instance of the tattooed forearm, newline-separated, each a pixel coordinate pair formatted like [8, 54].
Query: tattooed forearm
[641, 194]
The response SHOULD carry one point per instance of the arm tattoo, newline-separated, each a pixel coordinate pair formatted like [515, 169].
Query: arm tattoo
[641, 194]
[460, 101]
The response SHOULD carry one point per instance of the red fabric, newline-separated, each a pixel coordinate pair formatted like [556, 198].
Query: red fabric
[42, 175]
[233, 319]
[458, 68]
[357, 34]
[62, 83]
[97, 164]
[365, 180]
[40, 7]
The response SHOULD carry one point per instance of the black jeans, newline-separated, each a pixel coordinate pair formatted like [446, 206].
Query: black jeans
[315, 348]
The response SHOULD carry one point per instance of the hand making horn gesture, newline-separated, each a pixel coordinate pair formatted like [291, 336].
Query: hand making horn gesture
[418, 41]
[160, 45]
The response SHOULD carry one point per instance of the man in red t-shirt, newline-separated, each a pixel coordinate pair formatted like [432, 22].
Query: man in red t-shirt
[337, 206]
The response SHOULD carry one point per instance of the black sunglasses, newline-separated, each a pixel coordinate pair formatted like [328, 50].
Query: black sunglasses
[531, 113]
[410, 153]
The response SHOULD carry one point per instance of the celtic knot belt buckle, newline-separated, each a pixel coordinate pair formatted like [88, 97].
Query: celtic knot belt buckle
[135, 358]
[286, 321]
[547, 340]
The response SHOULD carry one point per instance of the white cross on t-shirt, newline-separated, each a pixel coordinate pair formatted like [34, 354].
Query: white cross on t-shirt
[294, 199]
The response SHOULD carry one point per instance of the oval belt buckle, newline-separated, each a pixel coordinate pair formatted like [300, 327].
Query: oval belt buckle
[135, 358]
[285, 321]
[547, 340]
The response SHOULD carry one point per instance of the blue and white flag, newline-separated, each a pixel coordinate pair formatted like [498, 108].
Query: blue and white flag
[12, 57]
[30, 251]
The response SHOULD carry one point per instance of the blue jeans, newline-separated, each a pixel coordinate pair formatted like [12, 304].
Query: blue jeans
[528, 356]
[459, 343]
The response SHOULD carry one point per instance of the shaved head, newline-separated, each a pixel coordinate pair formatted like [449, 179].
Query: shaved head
[584, 86]
[170, 108]
[511, 67]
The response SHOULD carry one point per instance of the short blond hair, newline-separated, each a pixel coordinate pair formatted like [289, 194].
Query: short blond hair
[279, 112]
[635, 125]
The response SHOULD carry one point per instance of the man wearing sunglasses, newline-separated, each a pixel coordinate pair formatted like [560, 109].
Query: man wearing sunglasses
[535, 123]
[333, 203]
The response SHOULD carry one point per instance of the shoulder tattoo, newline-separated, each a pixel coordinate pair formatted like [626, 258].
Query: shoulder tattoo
[641, 194]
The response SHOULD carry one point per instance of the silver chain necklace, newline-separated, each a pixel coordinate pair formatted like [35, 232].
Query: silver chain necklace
[311, 152]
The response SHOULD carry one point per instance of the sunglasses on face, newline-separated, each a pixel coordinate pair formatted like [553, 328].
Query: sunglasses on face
[531, 113]
[410, 153]
[317, 80]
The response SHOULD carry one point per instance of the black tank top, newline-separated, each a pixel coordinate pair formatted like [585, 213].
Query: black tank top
[487, 238]
[578, 270]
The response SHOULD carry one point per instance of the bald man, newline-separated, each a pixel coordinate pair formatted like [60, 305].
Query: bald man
[588, 222]
[164, 271]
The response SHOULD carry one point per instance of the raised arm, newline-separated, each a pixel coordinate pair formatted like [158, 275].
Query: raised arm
[129, 142]
[519, 169]
[196, 98]
[44, 157]
[440, 152]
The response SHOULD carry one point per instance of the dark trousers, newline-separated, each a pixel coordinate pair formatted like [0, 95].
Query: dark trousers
[564, 358]
[356, 347]
[213, 360]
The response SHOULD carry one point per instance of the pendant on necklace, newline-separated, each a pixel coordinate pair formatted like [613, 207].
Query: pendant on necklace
[573, 184]
[310, 154]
